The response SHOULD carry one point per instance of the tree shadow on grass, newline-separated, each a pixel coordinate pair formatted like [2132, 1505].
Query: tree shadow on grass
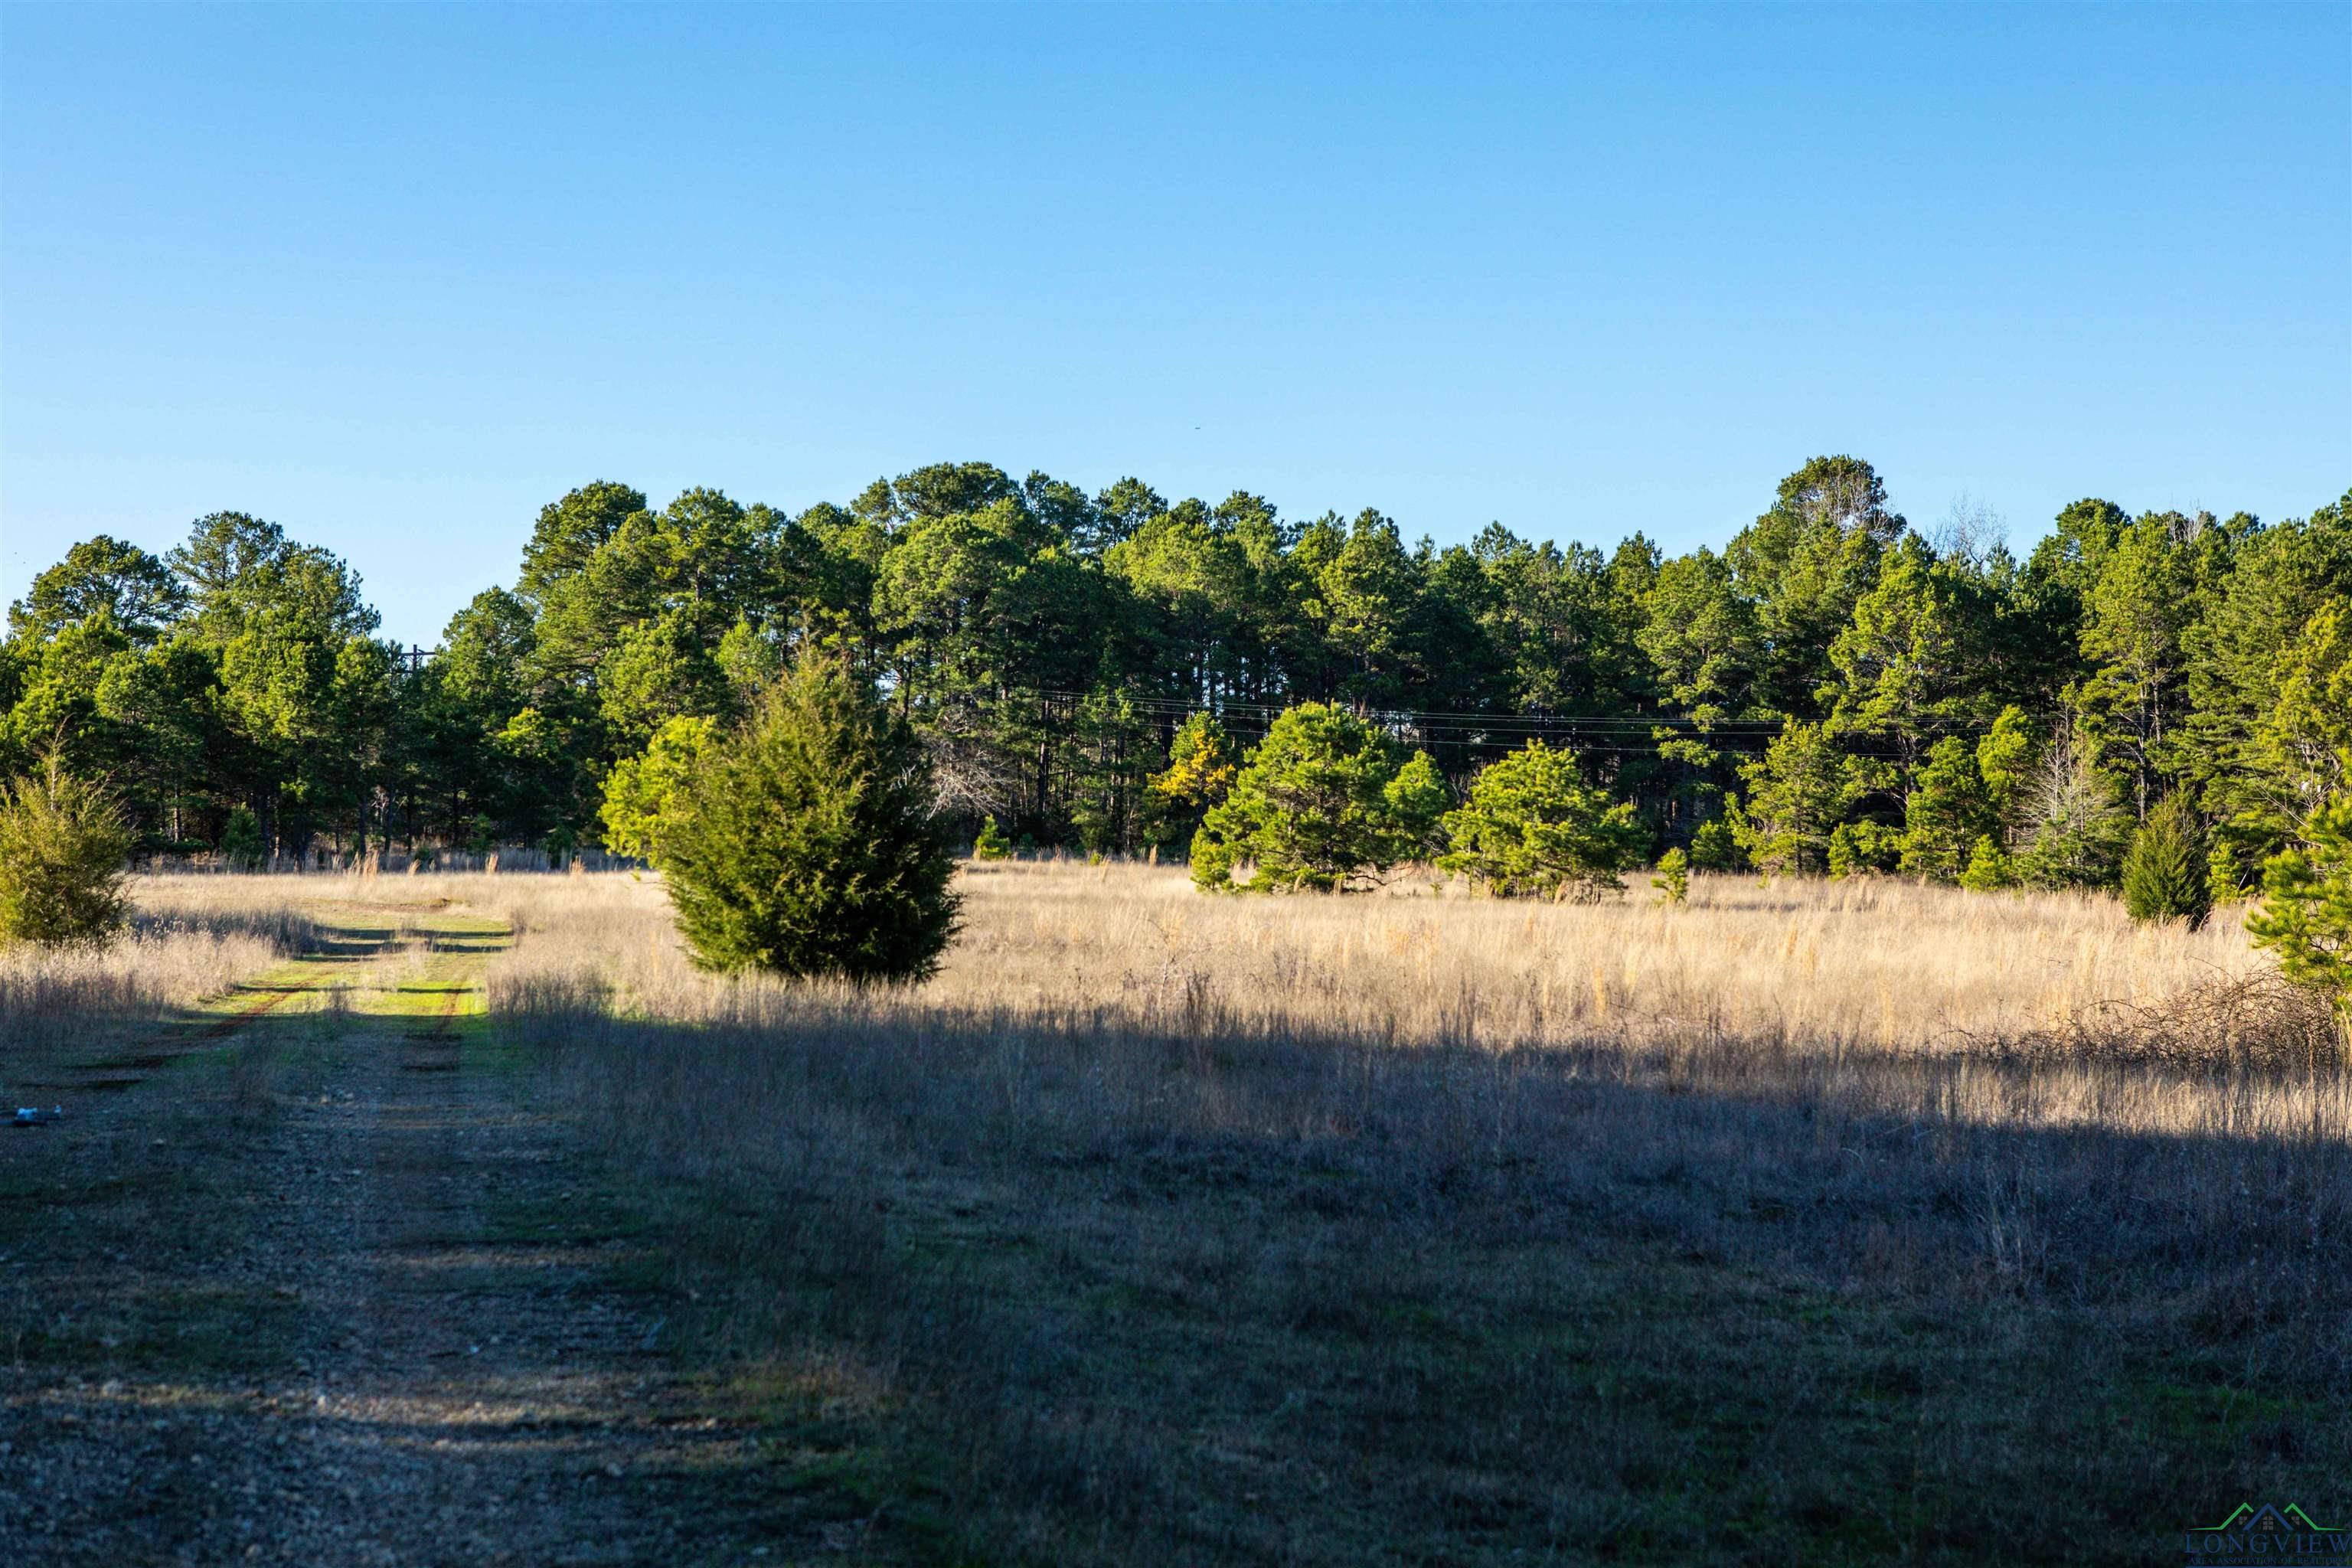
[1093, 1293]
[1451, 1304]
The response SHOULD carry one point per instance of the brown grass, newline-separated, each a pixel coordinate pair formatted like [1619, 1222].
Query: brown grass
[1830, 968]
[1804, 1222]
[1821, 1222]
[186, 942]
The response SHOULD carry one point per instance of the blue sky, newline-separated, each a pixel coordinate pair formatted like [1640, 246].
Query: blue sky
[395, 277]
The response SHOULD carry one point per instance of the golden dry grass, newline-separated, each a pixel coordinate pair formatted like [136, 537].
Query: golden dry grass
[188, 938]
[1877, 1220]
[1818, 974]
[1840, 966]
[1804, 1222]
[1864, 965]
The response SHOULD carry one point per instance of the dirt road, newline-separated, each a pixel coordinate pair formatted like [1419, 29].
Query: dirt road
[304, 1279]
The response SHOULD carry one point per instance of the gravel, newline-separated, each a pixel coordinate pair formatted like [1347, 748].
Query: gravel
[395, 1371]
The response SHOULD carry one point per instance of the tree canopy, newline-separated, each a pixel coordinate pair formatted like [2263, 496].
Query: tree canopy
[1833, 689]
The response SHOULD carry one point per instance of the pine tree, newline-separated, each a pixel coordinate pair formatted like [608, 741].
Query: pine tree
[1948, 810]
[1319, 804]
[808, 842]
[642, 792]
[1798, 795]
[1202, 764]
[2307, 913]
[1863, 848]
[1417, 800]
[992, 844]
[2164, 871]
[241, 840]
[62, 845]
[1532, 826]
[2006, 760]
[1989, 868]
[1672, 879]
[1716, 847]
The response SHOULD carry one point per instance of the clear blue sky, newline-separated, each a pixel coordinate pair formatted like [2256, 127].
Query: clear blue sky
[395, 277]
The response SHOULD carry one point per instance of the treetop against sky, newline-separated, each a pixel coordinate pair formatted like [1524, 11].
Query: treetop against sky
[395, 277]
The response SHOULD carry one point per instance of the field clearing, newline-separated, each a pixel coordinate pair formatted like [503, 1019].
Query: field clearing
[1866, 1220]
[1832, 1223]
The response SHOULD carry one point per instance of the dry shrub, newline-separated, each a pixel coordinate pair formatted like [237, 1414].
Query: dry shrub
[2257, 1020]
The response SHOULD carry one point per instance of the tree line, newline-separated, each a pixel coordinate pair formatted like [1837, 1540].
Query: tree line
[1833, 692]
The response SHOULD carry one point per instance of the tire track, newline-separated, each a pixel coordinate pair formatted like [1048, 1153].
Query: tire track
[452, 1365]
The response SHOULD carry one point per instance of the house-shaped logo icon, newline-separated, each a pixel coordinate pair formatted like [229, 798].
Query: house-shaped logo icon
[2266, 1533]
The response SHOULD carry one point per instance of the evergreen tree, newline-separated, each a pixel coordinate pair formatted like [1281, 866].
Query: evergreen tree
[1799, 793]
[1042, 643]
[1417, 801]
[1990, 867]
[1805, 565]
[2255, 741]
[62, 845]
[1202, 765]
[1864, 848]
[642, 794]
[2307, 913]
[2164, 871]
[808, 842]
[1716, 845]
[132, 589]
[2005, 762]
[240, 842]
[1672, 879]
[1948, 811]
[1533, 828]
[1909, 665]
[991, 845]
[2138, 609]
[1313, 808]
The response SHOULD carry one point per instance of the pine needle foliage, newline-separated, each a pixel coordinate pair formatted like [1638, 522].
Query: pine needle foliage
[808, 842]
[241, 840]
[1533, 828]
[1989, 869]
[2307, 913]
[63, 842]
[1672, 879]
[1324, 799]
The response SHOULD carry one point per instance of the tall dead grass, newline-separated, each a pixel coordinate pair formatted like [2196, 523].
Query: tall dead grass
[1889, 1219]
[1819, 973]
[1398, 1152]
[183, 944]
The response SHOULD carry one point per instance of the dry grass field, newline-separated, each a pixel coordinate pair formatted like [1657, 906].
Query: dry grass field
[191, 938]
[1801, 1223]
[1827, 1223]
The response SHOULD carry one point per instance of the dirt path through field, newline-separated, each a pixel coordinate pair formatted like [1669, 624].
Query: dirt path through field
[310, 1282]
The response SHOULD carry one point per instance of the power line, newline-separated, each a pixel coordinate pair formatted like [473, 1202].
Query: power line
[1735, 737]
